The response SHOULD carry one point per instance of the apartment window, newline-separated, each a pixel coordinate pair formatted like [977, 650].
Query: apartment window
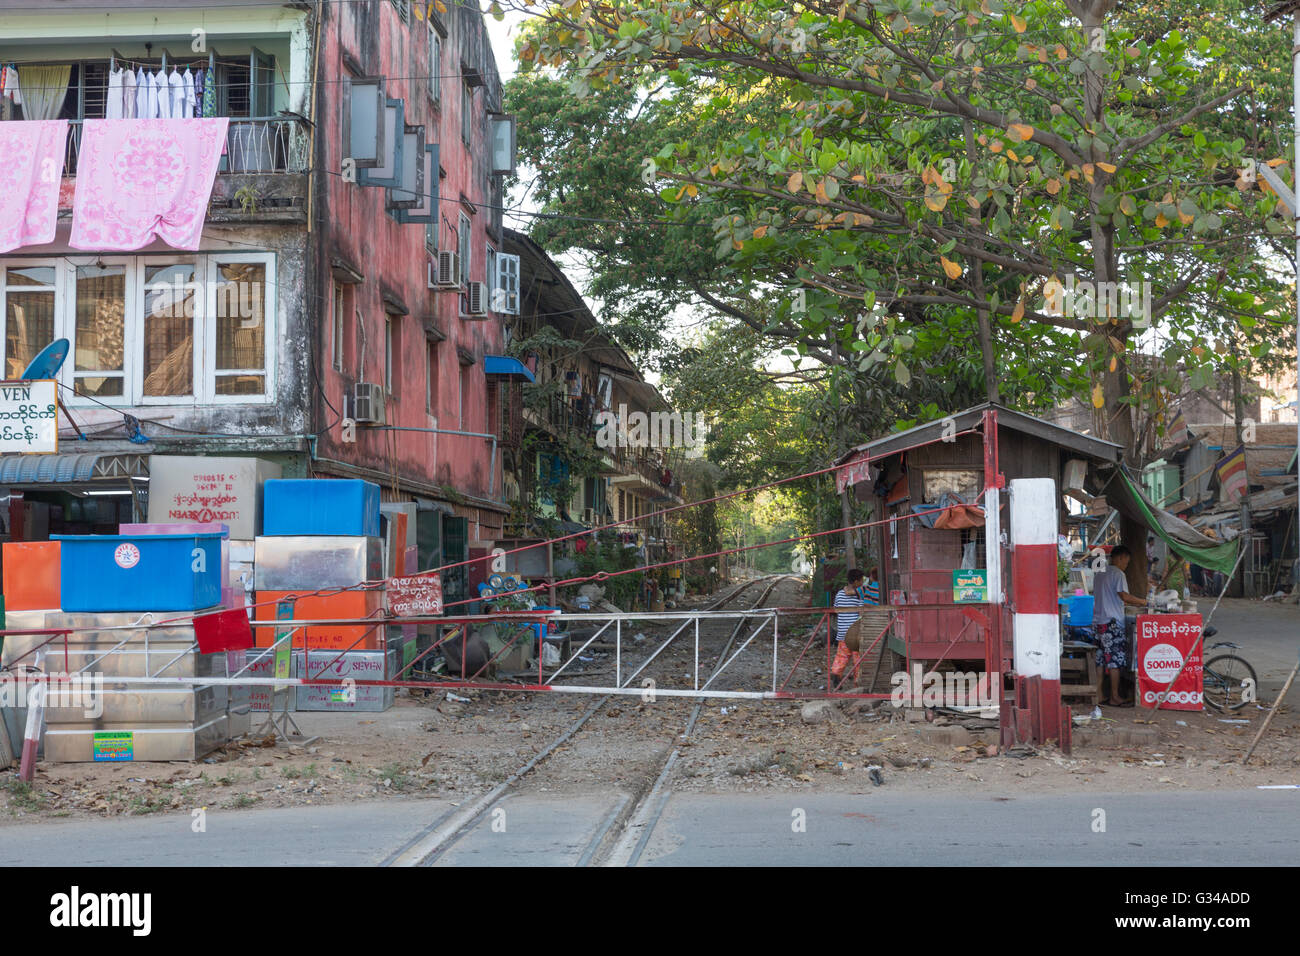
[464, 251]
[435, 65]
[336, 346]
[388, 355]
[431, 377]
[431, 233]
[403, 9]
[147, 329]
[490, 279]
[31, 301]
[466, 112]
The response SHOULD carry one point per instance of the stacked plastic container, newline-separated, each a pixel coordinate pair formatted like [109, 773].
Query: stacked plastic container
[323, 534]
[104, 585]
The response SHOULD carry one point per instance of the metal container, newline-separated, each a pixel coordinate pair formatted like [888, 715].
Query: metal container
[358, 665]
[238, 723]
[80, 743]
[161, 661]
[258, 697]
[141, 704]
[303, 562]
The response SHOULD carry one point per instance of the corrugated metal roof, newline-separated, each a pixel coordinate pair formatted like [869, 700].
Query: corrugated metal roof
[61, 469]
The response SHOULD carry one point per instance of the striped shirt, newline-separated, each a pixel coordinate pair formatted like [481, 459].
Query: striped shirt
[868, 593]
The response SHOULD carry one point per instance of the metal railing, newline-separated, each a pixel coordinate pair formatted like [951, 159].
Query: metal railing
[259, 144]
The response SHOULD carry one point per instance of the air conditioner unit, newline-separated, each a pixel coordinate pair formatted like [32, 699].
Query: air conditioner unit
[476, 297]
[447, 273]
[368, 404]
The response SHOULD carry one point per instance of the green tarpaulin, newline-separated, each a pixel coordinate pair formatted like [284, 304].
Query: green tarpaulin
[1127, 497]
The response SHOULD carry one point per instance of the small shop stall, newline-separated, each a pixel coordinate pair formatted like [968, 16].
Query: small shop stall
[970, 574]
[946, 555]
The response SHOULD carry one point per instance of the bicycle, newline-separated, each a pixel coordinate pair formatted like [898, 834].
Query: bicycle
[1226, 676]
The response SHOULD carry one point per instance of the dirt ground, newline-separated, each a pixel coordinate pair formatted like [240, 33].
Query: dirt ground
[437, 746]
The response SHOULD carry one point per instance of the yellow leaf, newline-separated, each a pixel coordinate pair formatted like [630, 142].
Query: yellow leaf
[1018, 23]
[1185, 218]
[1030, 83]
[1161, 221]
[692, 190]
[1026, 133]
[419, 12]
[935, 201]
[972, 202]
[737, 244]
[1053, 187]
[760, 232]
[950, 268]
[440, 6]
[1087, 172]
[1114, 363]
[1061, 52]
[977, 70]
[1011, 155]
[821, 192]
[1042, 54]
[1018, 312]
[996, 146]
[1274, 163]
[1098, 397]
[1107, 167]
[1127, 206]
[859, 178]
[795, 182]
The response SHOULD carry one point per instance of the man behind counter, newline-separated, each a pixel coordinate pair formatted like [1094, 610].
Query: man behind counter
[1110, 595]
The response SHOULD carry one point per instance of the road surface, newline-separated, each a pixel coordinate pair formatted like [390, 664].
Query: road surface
[878, 828]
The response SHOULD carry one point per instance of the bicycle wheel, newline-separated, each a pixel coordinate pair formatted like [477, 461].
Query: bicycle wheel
[1226, 678]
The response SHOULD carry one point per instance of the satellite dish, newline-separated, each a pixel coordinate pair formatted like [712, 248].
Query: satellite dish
[48, 362]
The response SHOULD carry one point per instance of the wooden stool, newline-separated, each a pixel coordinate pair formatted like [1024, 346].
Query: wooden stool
[1079, 671]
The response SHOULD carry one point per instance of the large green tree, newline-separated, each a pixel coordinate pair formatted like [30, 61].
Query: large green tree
[937, 164]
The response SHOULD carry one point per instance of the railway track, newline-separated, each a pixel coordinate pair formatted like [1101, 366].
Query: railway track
[624, 832]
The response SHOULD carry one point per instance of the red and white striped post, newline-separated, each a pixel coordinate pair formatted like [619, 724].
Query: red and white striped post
[1036, 622]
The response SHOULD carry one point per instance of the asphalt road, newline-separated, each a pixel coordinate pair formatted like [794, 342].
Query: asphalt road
[1214, 828]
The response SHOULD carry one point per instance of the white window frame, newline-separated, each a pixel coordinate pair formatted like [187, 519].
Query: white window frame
[507, 280]
[205, 327]
[270, 296]
[435, 65]
[490, 274]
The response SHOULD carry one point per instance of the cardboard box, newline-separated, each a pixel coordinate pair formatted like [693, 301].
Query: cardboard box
[344, 605]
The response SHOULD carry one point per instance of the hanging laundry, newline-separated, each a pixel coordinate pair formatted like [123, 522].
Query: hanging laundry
[187, 88]
[143, 87]
[128, 95]
[177, 84]
[31, 169]
[164, 93]
[144, 180]
[113, 98]
[9, 85]
[210, 93]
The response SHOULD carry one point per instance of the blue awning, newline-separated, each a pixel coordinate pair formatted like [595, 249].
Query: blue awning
[506, 367]
[69, 468]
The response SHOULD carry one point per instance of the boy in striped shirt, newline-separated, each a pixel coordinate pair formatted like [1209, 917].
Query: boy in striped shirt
[859, 591]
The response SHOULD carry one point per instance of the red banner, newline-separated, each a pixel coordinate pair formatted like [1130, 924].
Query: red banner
[415, 597]
[1163, 640]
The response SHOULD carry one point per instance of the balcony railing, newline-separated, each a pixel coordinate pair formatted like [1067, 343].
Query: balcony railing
[259, 144]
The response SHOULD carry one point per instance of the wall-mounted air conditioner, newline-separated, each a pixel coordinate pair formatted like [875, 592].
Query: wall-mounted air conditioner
[476, 299]
[447, 273]
[368, 403]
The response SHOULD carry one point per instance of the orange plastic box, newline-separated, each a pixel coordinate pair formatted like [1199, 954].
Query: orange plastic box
[330, 607]
[31, 575]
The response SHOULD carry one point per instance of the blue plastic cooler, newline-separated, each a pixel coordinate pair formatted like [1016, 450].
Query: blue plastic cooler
[320, 506]
[139, 572]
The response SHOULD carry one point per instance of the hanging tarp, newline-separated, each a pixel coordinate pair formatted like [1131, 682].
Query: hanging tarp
[1125, 496]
